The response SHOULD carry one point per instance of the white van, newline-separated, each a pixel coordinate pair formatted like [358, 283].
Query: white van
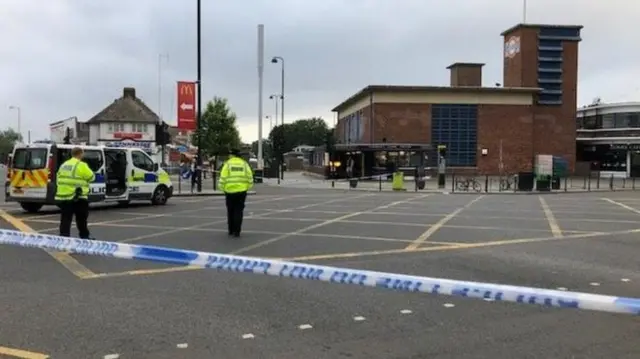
[122, 175]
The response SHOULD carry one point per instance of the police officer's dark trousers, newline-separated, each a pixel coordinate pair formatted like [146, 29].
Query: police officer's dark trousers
[235, 211]
[79, 208]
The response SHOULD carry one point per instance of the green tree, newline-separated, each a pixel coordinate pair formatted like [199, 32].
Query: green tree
[310, 132]
[218, 132]
[8, 139]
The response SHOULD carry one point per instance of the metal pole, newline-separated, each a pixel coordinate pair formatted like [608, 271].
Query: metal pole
[524, 11]
[276, 98]
[160, 118]
[282, 92]
[260, 86]
[19, 121]
[199, 90]
[282, 109]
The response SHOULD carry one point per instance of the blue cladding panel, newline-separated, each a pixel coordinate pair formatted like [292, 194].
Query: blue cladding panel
[550, 65]
[550, 54]
[550, 86]
[560, 32]
[456, 126]
[549, 43]
[555, 65]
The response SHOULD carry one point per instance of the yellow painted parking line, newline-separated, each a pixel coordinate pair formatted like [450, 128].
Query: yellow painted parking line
[444, 247]
[63, 258]
[22, 354]
[434, 228]
[553, 224]
[622, 205]
[454, 246]
[321, 224]
[144, 272]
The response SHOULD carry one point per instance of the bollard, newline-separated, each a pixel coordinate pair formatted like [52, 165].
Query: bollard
[486, 184]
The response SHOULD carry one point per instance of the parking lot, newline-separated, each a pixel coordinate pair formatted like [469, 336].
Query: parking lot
[136, 309]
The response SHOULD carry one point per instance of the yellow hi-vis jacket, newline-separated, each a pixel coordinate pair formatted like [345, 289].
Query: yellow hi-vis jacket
[235, 176]
[71, 175]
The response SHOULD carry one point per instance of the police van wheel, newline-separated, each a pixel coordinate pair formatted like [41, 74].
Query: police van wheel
[160, 196]
[31, 207]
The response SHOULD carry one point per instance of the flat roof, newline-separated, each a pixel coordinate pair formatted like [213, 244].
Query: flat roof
[413, 89]
[465, 64]
[537, 26]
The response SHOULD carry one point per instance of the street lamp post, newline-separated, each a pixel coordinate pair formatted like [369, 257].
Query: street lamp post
[199, 92]
[17, 108]
[275, 60]
[275, 97]
[160, 118]
[270, 118]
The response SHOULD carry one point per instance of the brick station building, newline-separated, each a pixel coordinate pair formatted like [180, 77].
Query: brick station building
[532, 112]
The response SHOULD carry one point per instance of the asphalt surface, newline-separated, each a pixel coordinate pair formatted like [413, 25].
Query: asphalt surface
[147, 310]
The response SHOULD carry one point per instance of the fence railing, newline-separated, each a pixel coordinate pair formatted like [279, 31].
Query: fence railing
[490, 184]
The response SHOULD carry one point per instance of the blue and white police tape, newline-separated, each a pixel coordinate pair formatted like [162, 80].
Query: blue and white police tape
[276, 268]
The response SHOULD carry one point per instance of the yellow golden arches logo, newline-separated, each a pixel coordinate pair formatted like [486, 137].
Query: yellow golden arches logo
[186, 89]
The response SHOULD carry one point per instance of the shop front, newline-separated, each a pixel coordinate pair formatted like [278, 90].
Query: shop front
[620, 160]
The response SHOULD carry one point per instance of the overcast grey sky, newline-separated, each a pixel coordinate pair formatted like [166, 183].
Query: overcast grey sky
[62, 58]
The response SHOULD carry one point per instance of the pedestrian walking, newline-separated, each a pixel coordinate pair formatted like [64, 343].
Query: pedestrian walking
[72, 180]
[236, 179]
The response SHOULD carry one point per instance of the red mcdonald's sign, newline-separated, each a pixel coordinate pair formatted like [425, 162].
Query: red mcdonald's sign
[186, 105]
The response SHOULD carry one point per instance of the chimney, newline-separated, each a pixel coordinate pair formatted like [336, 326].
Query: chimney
[466, 74]
[129, 92]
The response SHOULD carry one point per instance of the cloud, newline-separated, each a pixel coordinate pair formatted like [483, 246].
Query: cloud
[62, 58]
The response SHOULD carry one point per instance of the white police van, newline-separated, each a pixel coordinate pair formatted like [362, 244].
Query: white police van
[122, 175]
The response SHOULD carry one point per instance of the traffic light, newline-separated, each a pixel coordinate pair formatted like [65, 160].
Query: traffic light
[163, 137]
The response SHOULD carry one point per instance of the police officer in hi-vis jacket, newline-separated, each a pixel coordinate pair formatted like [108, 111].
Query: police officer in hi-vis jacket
[72, 180]
[236, 179]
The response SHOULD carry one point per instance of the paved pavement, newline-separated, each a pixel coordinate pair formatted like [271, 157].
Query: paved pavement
[89, 307]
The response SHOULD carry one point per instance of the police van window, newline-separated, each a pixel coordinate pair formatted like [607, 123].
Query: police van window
[94, 159]
[30, 158]
[141, 160]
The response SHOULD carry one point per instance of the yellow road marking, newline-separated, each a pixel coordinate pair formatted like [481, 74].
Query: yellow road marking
[434, 228]
[553, 224]
[206, 224]
[22, 354]
[409, 224]
[321, 224]
[63, 258]
[452, 246]
[622, 205]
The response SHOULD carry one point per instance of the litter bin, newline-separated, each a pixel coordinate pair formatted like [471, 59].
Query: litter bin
[397, 183]
[543, 184]
[525, 181]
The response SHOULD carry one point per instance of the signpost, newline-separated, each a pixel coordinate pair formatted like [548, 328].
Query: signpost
[186, 105]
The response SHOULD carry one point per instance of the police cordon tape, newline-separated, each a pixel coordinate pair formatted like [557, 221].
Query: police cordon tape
[277, 268]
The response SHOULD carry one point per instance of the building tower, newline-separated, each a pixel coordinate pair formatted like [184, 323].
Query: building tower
[546, 57]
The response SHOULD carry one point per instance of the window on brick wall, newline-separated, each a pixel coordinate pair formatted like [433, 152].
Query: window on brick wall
[456, 127]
